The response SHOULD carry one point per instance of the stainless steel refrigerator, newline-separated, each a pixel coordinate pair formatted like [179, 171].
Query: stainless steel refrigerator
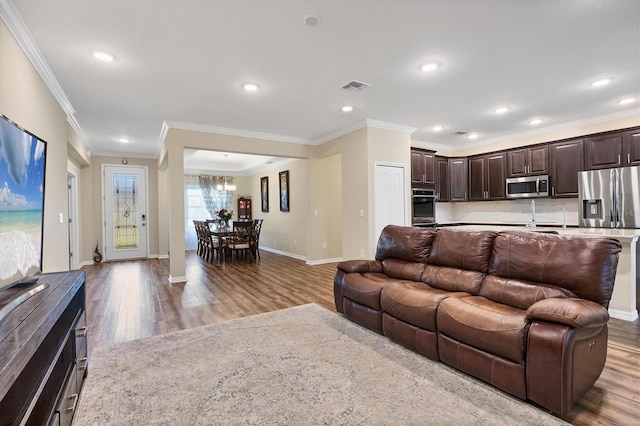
[609, 198]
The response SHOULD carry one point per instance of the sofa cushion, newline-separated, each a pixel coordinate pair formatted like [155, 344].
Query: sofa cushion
[585, 266]
[364, 288]
[452, 279]
[520, 294]
[402, 269]
[462, 249]
[414, 302]
[408, 243]
[481, 323]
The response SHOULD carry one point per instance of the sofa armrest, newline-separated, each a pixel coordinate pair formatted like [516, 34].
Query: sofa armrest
[360, 266]
[577, 313]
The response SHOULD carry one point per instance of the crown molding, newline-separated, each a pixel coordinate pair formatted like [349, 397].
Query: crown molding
[390, 126]
[21, 33]
[71, 119]
[634, 112]
[227, 131]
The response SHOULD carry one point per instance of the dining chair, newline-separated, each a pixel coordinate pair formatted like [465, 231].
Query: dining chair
[255, 240]
[239, 243]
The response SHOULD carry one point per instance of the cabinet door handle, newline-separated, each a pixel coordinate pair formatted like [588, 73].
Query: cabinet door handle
[619, 159]
[628, 158]
[81, 331]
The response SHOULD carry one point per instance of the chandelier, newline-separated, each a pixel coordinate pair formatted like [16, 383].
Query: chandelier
[224, 183]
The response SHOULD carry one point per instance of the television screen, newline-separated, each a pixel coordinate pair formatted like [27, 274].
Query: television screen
[22, 176]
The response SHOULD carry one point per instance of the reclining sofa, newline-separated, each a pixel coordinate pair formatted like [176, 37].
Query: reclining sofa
[523, 311]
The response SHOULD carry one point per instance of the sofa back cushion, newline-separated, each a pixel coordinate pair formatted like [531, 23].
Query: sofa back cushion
[407, 243]
[452, 279]
[519, 294]
[583, 266]
[402, 269]
[462, 249]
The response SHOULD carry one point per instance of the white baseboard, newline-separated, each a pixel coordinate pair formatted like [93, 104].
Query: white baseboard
[624, 315]
[163, 256]
[87, 263]
[323, 261]
[174, 280]
[284, 253]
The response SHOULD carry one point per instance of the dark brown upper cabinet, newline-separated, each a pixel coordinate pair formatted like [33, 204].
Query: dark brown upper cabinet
[442, 179]
[631, 148]
[528, 161]
[487, 175]
[566, 159]
[603, 151]
[458, 179]
[422, 167]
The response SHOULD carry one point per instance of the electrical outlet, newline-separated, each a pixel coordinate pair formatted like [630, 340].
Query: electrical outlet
[295, 241]
[361, 212]
[361, 253]
[324, 244]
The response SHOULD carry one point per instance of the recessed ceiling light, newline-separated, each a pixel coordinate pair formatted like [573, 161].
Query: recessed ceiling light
[250, 87]
[103, 56]
[601, 82]
[429, 66]
[535, 121]
[438, 128]
[473, 136]
[626, 101]
[311, 20]
[124, 140]
[347, 108]
[501, 110]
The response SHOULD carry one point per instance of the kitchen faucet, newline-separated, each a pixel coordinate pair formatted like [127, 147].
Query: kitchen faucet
[533, 214]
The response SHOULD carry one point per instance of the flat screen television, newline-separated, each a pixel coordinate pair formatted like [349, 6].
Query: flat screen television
[22, 179]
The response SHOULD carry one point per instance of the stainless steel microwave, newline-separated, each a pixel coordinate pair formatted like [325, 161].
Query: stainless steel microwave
[529, 187]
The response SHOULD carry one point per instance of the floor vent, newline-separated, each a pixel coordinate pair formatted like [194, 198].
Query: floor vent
[460, 132]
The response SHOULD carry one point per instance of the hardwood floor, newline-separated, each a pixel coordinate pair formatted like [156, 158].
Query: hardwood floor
[133, 299]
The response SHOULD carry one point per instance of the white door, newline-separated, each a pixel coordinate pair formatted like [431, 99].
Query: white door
[125, 212]
[390, 197]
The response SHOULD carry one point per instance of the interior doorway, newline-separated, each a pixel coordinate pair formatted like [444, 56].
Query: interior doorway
[72, 188]
[125, 233]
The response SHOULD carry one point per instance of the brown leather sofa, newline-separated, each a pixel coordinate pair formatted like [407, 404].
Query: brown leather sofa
[524, 311]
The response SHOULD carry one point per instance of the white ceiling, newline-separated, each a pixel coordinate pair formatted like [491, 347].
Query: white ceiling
[186, 61]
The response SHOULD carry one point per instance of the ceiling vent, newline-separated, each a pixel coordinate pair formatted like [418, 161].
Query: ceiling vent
[460, 132]
[355, 85]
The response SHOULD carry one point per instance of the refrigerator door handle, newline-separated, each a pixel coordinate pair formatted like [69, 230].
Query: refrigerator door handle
[612, 189]
[538, 186]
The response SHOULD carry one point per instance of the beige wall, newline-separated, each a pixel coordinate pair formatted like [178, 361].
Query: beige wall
[26, 100]
[95, 229]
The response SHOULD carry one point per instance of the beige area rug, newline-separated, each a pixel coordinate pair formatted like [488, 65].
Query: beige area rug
[299, 366]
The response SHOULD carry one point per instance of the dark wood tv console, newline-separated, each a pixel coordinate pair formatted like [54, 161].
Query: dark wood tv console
[43, 354]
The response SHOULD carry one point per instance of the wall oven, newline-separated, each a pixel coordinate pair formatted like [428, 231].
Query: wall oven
[423, 206]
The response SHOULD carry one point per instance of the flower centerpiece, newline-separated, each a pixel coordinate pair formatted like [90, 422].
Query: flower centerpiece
[225, 215]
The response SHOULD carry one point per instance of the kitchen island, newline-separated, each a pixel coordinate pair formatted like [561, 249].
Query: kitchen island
[624, 300]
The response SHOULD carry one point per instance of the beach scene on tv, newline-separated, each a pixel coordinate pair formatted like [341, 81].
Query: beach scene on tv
[22, 160]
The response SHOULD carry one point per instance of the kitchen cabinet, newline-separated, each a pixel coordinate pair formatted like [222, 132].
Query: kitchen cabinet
[528, 161]
[458, 179]
[631, 148]
[566, 159]
[603, 151]
[487, 175]
[442, 179]
[422, 167]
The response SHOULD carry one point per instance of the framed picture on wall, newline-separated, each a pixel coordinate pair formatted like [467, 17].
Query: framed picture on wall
[284, 191]
[264, 193]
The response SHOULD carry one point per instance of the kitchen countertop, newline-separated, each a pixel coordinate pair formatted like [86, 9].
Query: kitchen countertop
[624, 235]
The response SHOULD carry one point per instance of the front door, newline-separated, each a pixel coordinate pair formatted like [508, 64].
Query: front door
[125, 212]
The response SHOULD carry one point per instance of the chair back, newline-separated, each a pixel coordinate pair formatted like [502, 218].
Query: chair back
[242, 230]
